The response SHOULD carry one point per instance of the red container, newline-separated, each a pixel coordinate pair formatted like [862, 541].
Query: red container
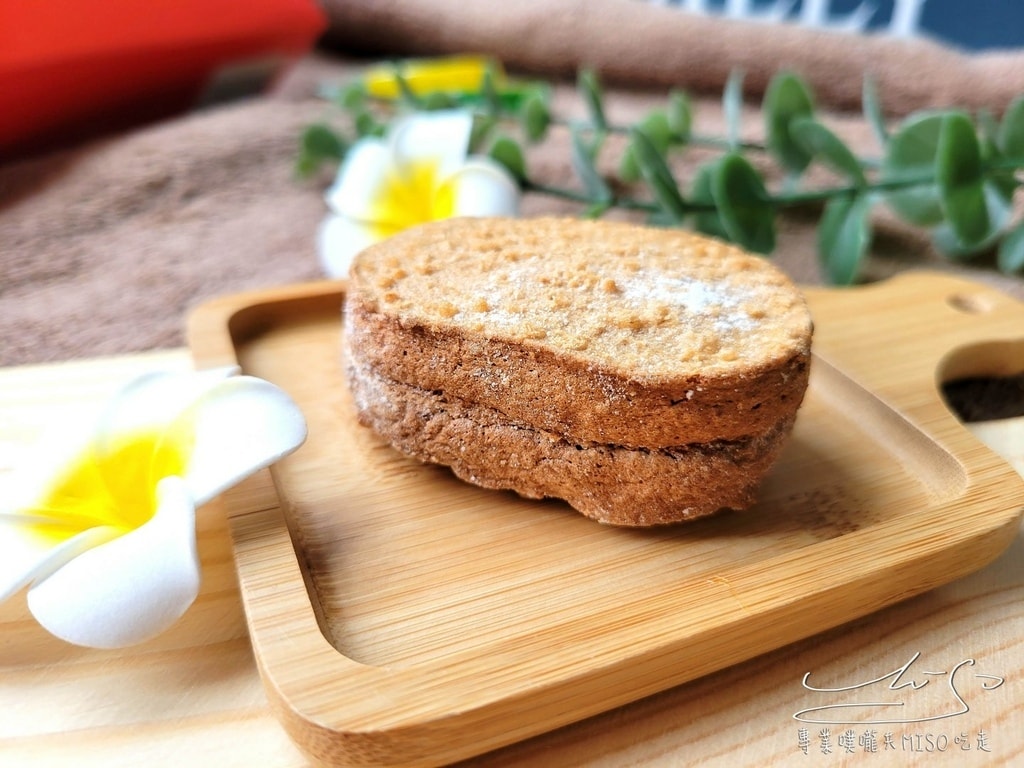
[70, 71]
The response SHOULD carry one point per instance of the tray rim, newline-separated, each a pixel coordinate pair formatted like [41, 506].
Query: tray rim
[377, 730]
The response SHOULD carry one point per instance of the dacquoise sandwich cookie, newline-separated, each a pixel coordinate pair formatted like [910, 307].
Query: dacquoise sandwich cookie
[644, 376]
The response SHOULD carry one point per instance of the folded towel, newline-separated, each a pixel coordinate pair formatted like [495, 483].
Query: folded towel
[104, 248]
[645, 44]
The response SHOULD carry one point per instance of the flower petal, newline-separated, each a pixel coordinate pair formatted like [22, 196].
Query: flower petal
[148, 403]
[27, 554]
[128, 589]
[61, 445]
[366, 171]
[153, 402]
[339, 240]
[441, 137]
[239, 427]
[484, 188]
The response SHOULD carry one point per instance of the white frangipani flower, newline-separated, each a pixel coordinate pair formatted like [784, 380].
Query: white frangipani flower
[419, 173]
[102, 529]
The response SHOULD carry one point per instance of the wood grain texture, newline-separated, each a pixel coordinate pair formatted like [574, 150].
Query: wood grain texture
[402, 617]
[194, 695]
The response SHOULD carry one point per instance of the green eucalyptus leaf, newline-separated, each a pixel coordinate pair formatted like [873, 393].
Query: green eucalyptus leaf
[743, 204]
[949, 245]
[706, 221]
[629, 169]
[1010, 257]
[351, 97]
[998, 204]
[366, 125]
[822, 143]
[680, 116]
[589, 88]
[657, 174]
[489, 91]
[911, 156]
[406, 95]
[873, 110]
[596, 210]
[437, 100]
[594, 144]
[960, 175]
[480, 131]
[988, 127]
[321, 140]
[507, 151]
[1011, 130]
[1004, 181]
[786, 99]
[582, 157]
[844, 237]
[655, 126]
[660, 219]
[999, 212]
[318, 144]
[306, 166]
[732, 107]
[535, 117]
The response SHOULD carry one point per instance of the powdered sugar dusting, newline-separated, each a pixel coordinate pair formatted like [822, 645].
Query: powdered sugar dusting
[692, 296]
[651, 318]
[654, 303]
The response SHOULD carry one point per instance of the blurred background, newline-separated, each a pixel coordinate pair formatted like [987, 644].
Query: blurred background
[970, 24]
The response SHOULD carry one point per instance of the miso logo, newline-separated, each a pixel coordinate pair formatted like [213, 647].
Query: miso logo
[895, 691]
[914, 707]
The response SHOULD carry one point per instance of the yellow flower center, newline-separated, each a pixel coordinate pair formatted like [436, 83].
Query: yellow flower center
[413, 194]
[113, 485]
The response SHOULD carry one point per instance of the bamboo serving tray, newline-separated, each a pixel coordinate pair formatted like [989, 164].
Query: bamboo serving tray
[402, 617]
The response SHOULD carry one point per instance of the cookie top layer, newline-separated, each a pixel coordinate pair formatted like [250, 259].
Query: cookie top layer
[594, 332]
[646, 304]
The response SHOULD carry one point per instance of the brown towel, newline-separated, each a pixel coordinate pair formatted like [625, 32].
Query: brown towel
[104, 248]
[642, 44]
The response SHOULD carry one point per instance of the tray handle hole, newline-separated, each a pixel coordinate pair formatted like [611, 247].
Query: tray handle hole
[985, 382]
[985, 398]
[970, 303]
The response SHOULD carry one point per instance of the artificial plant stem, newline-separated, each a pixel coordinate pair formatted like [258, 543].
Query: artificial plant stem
[782, 200]
[617, 201]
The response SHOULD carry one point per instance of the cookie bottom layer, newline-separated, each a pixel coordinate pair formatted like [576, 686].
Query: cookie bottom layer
[611, 484]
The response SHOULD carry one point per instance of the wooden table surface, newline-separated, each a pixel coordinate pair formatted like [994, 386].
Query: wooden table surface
[193, 696]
